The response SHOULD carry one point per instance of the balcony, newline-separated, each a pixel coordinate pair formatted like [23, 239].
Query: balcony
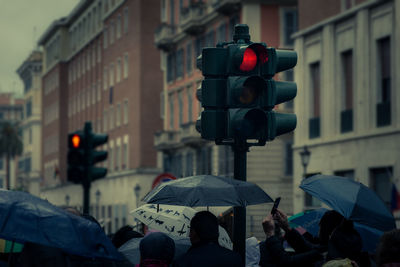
[190, 136]
[163, 37]
[226, 7]
[166, 140]
[192, 18]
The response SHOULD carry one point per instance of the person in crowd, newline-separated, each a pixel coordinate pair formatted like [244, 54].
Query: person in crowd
[124, 234]
[205, 250]
[388, 251]
[252, 252]
[156, 250]
[340, 263]
[272, 252]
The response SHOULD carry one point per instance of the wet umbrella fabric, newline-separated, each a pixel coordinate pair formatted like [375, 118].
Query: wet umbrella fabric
[173, 220]
[309, 220]
[26, 218]
[352, 199]
[131, 248]
[207, 190]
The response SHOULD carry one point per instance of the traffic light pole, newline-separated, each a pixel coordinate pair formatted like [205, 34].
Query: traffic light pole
[87, 181]
[240, 149]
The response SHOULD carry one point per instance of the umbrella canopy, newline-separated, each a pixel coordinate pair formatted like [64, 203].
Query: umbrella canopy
[352, 199]
[207, 190]
[309, 220]
[173, 220]
[26, 218]
[131, 248]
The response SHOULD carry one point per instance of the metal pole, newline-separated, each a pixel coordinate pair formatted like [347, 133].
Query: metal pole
[87, 180]
[86, 198]
[240, 149]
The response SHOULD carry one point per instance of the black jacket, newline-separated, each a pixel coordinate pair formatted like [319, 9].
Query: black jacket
[272, 253]
[209, 254]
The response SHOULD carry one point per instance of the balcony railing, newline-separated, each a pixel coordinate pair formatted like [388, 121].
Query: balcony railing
[226, 7]
[191, 20]
[166, 140]
[163, 36]
[190, 136]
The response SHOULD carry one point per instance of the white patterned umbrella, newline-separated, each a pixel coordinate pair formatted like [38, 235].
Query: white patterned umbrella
[173, 220]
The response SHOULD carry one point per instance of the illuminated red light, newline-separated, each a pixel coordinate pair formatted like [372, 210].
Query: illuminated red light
[76, 141]
[249, 60]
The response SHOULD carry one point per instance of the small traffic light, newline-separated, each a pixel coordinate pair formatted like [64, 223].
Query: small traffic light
[238, 94]
[76, 157]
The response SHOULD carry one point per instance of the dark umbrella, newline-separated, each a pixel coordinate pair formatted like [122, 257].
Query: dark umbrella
[131, 248]
[26, 218]
[352, 199]
[309, 220]
[207, 190]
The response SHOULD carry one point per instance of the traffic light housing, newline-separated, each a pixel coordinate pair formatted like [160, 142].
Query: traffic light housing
[83, 155]
[238, 93]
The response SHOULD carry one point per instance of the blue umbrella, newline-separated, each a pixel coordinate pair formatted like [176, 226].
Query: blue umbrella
[352, 199]
[26, 218]
[309, 220]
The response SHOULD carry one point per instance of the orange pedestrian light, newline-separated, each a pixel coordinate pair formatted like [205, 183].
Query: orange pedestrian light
[76, 141]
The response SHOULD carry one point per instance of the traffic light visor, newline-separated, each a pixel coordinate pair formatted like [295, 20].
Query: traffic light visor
[76, 141]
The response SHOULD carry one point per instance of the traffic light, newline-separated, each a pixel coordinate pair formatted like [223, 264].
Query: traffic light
[94, 156]
[238, 94]
[76, 157]
[82, 156]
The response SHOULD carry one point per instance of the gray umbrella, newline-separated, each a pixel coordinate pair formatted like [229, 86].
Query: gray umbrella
[207, 190]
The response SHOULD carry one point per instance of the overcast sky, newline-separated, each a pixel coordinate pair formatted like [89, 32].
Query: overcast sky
[22, 22]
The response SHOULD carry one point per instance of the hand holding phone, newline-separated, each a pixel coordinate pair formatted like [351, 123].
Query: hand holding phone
[276, 204]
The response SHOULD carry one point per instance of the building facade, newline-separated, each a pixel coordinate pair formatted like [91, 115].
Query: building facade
[186, 27]
[29, 164]
[11, 110]
[348, 109]
[111, 77]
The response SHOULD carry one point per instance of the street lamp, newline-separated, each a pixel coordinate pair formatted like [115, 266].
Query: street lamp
[98, 195]
[305, 160]
[67, 198]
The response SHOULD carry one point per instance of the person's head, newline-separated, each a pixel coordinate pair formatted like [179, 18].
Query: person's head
[388, 250]
[124, 234]
[156, 249]
[203, 227]
[345, 242]
[329, 221]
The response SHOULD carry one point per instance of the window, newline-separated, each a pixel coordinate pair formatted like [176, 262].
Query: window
[199, 45]
[105, 119]
[28, 108]
[190, 103]
[111, 118]
[118, 119]
[347, 4]
[126, 112]
[117, 157]
[180, 103]
[221, 33]
[172, 12]
[346, 173]
[289, 25]
[189, 164]
[210, 39]
[105, 37]
[126, 66]
[171, 112]
[179, 63]
[288, 158]
[163, 11]
[112, 31]
[30, 136]
[119, 70]
[126, 19]
[346, 114]
[225, 161]
[384, 86]
[189, 58]
[381, 183]
[203, 160]
[170, 67]
[315, 101]
[125, 156]
[119, 26]
[111, 81]
[111, 95]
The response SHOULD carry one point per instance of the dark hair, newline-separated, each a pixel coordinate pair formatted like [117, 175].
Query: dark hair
[124, 234]
[329, 221]
[157, 246]
[388, 250]
[205, 224]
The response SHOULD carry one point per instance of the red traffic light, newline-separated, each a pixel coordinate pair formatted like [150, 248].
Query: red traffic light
[249, 60]
[76, 141]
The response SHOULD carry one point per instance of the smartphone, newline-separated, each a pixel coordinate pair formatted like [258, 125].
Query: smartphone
[276, 204]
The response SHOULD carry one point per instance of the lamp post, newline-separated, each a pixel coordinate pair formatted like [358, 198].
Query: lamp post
[305, 160]
[67, 198]
[98, 195]
[136, 191]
